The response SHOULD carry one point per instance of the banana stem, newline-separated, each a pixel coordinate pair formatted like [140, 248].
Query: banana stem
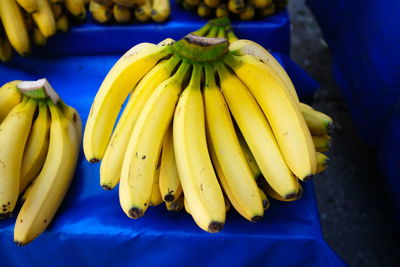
[195, 80]
[210, 76]
[180, 74]
[40, 89]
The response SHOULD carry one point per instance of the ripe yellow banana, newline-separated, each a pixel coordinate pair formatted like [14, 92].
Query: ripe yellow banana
[186, 205]
[111, 165]
[248, 12]
[228, 152]
[118, 83]
[36, 147]
[100, 13]
[156, 198]
[76, 8]
[170, 185]
[145, 143]
[52, 183]
[176, 205]
[25, 194]
[29, 6]
[271, 193]
[73, 116]
[5, 49]
[322, 142]
[9, 98]
[236, 6]
[62, 23]
[122, 14]
[160, 10]
[222, 11]
[203, 10]
[14, 131]
[257, 133]
[317, 122]
[322, 162]
[265, 200]
[44, 18]
[199, 182]
[14, 26]
[247, 47]
[38, 38]
[143, 12]
[282, 112]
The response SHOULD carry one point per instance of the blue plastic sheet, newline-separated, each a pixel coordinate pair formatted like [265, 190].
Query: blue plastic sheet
[91, 229]
[364, 38]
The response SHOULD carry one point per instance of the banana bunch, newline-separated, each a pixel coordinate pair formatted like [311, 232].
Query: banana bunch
[27, 22]
[126, 11]
[207, 124]
[40, 138]
[239, 9]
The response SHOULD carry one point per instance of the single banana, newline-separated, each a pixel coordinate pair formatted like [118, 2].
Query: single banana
[203, 11]
[44, 18]
[282, 112]
[247, 47]
[212, 3]
[111, 165]
[143, 12]
[257, 133]
[118, 83]
[186, 205]
[228, 151]
[222, 11]
[10, 96]
[100, 13]
[265, 200]
[14, 26]
[322, 162]
[322, 142]
[62, 23]
[199, 182]
[176, 205]
[26, 192]
[29, 6]
[142, 153]
[248, 13]
[73, 116]
[236, 6]
[14, 131]
[267, 189]
[76, 8]
[318, 122]
[36, 147]
[160, 10]
[52, 183]
[156, 198]
[170, 184]
[122, 14]
[6, 51]
[38, 38]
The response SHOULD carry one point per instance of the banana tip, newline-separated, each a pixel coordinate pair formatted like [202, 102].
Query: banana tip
[291, 196]
[106, 187]
[135, 213]
[18, 243]
[256, 218]
[94, 160]
[169, 198]
[215, 227]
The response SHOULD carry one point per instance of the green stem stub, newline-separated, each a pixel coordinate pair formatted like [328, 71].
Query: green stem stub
[40, 89]
[201, 49]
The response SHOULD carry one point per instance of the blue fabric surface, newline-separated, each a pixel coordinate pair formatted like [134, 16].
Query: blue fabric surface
[93, 38]
[364, 38]
[91, 229]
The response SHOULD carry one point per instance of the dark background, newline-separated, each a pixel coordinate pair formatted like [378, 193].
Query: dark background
[355, 211]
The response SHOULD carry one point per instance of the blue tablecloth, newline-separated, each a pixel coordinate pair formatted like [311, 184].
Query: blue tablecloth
[90, 227]
[364, 38]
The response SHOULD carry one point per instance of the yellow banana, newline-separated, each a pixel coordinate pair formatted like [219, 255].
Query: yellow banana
[257, 133]
[222, 11]
[143, 12]
[5, 50]
[271, 193]
[186, 205]
[170, 185]
[122, 14]
[36, 147]
[228, 152]
[236, 6]
[317, 122]
[111, 165]
[14, 131]
[76, 8]
[73, 116]
[203, 10]
[212, 3]
[265, 200]
[25, 194]
[62, 23]
[261, 3]
[176, 205]
[322, 142]
[322, 162]
[118, 83]
[248, 12]
[100, 13]
[200, 185]
[52, 183]
[282, 112]
[156, 198]
[29, 6]
[160, 10]
[268, 11]
[44, 18]
[38, 37]
[247, 47]
[9, 98]
[145, 143]
[14, 26]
